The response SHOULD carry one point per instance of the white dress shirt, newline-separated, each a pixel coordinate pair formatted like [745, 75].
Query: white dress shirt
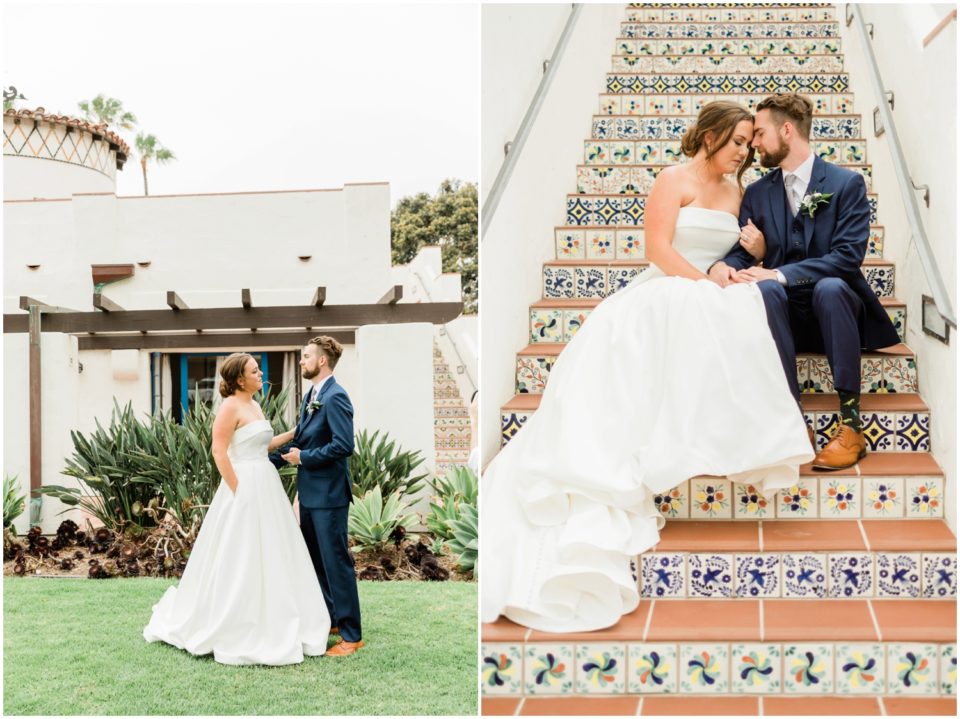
[315, 392]
[801, 181]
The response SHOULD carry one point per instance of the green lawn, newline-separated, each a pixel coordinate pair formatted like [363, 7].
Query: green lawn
[75, 646]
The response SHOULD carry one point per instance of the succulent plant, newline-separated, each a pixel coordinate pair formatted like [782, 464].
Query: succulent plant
[13, 501]
[372, 520]
[382, 464]
[465, 542]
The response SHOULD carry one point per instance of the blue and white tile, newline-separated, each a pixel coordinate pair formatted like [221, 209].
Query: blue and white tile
[710, 499]
[913, 432]
[840, 497]
[710, 575]
[808, 668]
[879, 431]
[912, 669]
[558, 282]
[704, 668]
[804, 575]
[939, 575]
[948, 669]
[757, 576]
[898, 574]
[851, 575]
[664, 575]
[654, 669]
[861, 669]
[591, 281]
[619, 277]
[882, 497]
[755, 668]
[549, 669]
[825, 424]
[502, 669]
[881, 279]
[601, 669]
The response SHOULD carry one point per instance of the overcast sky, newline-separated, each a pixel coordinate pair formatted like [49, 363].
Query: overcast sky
[265, 96]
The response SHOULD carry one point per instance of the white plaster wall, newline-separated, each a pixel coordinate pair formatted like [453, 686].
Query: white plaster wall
[924, 83]
[396, 362]
[28, 178]
[516, 39]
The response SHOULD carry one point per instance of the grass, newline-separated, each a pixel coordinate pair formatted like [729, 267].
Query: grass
[75, 646]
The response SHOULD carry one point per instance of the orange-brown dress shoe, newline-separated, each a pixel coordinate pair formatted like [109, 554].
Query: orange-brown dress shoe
[843, 450]
[344, 648]
[334, 630]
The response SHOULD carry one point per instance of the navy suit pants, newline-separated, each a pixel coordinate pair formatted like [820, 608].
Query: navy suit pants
[825, 318]
[325, 532]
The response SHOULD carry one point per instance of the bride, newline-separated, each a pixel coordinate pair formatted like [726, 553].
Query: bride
[249, 593]
[671, 378]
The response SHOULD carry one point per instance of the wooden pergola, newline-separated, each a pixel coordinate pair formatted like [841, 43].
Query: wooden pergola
[110, 326]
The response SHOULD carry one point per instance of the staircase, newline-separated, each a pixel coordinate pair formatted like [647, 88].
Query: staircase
[451, 417]
[838, 596]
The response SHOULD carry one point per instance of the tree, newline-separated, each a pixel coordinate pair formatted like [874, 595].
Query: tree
[107, 111]
[149, 150]
[448, 219]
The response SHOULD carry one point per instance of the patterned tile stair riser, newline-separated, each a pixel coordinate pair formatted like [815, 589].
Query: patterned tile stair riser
[451, 418]
[842, 668]
[879, 373]
[713, 48]
[667, 152]
[689, 64]
[672, 127]
[742, 13]
[653, 105]
[729, 31]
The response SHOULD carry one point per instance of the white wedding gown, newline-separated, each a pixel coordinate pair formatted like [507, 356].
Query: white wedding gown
[668, 379]
[249, 593]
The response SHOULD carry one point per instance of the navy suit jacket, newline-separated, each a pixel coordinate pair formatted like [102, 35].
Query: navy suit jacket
[325, 441]
[834, 242]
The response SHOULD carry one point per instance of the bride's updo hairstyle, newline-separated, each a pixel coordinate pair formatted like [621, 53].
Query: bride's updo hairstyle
[232, 371]
[720, 119]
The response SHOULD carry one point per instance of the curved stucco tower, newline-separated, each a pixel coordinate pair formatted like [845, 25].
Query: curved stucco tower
[55, 156]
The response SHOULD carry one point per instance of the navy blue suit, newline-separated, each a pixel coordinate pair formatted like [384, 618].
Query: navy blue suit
[325, 440]
[827, 304]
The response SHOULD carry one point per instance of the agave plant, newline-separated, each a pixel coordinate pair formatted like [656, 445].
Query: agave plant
[382, 464]
[372, 520]
[13, 502]
[274, 406]
[464, 540]
[456, 489]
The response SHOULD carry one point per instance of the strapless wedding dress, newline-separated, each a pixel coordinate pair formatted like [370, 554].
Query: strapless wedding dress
[668, 379]
[249, 593]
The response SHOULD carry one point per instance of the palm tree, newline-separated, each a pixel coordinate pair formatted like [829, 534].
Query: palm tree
[149, 149]
[108, 111]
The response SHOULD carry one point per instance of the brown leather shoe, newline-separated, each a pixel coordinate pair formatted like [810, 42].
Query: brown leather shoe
[842, 451]
[344, 648]
[813, 438]
[334, 630]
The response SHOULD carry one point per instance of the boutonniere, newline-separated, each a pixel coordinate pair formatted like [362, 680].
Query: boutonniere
[314, 406]
[812, 202]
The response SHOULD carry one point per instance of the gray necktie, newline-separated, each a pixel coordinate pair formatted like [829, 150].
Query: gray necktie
[790, 182]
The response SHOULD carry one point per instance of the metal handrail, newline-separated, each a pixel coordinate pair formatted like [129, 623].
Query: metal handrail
[941, 297]
[453, 342]
[516, 145]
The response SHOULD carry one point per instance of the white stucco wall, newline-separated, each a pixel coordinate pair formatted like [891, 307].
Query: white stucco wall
[516, 40]
[924, 83]
[28, 178]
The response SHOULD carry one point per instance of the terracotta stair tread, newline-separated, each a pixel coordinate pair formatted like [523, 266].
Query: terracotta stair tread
[907, 535]
[687, 536]
[551, 349]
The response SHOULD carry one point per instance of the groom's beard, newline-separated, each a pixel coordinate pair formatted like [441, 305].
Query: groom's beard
[307, 374]
[773, 159]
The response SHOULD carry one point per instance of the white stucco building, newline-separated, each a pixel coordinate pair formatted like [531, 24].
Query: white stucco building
[245, 269]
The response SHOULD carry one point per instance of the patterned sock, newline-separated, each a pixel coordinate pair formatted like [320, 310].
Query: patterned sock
[850, 409]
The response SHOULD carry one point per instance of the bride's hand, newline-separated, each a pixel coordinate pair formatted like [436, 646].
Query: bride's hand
[751, 239]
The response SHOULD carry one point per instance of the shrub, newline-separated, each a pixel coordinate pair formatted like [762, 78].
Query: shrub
[372, 520]
[382, 464]
[464, 541]
[456, 489]
[13, 502]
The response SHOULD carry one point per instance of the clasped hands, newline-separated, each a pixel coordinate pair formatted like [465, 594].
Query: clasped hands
[752, 240]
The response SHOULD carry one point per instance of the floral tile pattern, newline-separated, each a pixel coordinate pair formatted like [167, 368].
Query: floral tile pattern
[546, 325]
[601, 669]
[750, 503]
[532, 373]
[861, 669]
[630, 244]
[939, 576]
[654, 669]
[501, 669]
[948, 669]
[851, 575]
[840, 497]
[820, 379]
[572, 321]
[664, 575]
[675, 503]
[548, 669]
[912, 669]
[804, 576]
[800, 500]
[570, 244]
[710, 499]
[883, 497]
[808, 668]
[704, 668]
[898, 575]
[757, 575]
[755, 668]
[600, 244]
[900, 374]
[871, 375]
[709, 575]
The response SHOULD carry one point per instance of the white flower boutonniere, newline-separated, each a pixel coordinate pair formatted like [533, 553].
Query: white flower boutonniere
[811, 203]
[313, 407]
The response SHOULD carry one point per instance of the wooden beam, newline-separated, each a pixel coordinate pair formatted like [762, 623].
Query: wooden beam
[319, 297]
[208, 340]
[25, 303]
[111, 273]
[36, 454]
[394, 294]
[245, 299]
[230, 318]
[175, 302]
[105, 304]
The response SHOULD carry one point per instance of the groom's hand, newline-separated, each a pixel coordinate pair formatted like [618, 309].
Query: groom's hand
[756, 274]
[722, 274]
[293, 456]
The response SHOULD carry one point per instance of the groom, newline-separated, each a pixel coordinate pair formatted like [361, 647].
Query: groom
[815, 219]
[321, 446]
